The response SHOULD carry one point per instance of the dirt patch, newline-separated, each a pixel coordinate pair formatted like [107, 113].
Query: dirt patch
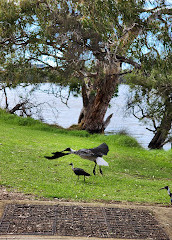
[6, 194]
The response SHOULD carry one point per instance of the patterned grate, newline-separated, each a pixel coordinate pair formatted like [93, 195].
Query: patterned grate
[28, 219]
[80, 221]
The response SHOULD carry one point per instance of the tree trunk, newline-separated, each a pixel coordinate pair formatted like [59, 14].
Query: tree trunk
[95, 103]
[162, 132]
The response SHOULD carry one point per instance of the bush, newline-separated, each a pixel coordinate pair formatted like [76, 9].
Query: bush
[127, 141]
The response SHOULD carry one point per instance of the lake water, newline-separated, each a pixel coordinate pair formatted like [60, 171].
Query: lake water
[53, 111]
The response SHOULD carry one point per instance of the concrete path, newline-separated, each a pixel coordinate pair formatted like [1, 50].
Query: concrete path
[163, 214]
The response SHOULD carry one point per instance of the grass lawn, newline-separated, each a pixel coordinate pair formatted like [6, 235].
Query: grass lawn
[134, 174]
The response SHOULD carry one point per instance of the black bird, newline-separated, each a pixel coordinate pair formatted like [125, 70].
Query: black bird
[79, 172]
[92, 154]
[168, 190]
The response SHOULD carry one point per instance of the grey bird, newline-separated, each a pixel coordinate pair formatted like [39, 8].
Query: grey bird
[79, 172]
[92, 154]
[168, 190]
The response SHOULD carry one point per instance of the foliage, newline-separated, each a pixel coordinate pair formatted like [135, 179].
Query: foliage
[83, 44]
[151, 98]
[67, 37]
[134, 174]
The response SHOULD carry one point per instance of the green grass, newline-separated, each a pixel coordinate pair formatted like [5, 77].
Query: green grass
[134, 174]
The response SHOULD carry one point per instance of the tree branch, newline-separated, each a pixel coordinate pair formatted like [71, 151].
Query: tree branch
[158, 12]
[123, 73]
[17, 107]
[39, 60]
[107, 121]
[129, 61]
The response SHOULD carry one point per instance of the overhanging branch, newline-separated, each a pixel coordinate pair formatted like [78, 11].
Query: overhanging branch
[158, 12]
[129, 61]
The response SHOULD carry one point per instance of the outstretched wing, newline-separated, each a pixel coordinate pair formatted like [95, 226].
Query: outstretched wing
[101, 150]
[56, 155]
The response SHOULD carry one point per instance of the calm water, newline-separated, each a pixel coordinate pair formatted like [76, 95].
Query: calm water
[53, 111]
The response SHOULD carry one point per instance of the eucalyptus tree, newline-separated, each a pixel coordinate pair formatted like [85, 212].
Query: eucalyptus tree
[151, 98]
[83, 44]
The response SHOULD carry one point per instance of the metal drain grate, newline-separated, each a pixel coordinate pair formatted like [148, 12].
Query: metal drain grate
[28, 219]
[80, 221]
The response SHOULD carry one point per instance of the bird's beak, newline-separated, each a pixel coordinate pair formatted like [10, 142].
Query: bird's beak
[162, 188]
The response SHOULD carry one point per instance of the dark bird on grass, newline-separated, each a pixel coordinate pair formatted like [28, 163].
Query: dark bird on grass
[79, 172]
[92, 154]
[168, 190]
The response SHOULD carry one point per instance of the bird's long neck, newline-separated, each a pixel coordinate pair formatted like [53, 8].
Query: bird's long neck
[72, 151]
[72, 167]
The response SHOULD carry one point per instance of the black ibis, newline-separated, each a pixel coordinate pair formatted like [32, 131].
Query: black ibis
[92, 154]
[79, 172]
[168, 190]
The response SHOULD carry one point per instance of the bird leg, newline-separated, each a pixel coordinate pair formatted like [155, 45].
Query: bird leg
[84, 178]
[100, 170]
[94, 172]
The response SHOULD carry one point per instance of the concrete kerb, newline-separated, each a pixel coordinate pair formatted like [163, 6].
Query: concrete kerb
[163, 215]
[54, 238]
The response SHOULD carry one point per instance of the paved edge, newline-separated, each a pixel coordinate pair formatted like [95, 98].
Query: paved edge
[26, 237]
[163, 214]
[22, 237]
